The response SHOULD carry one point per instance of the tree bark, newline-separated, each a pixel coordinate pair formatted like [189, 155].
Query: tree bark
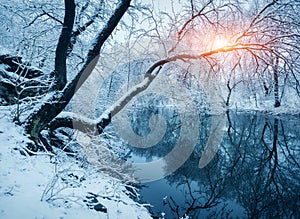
[60, 71]
[276, 84]
[49, 109]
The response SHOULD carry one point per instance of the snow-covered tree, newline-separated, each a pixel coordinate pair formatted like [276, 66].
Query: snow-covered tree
[242, 42]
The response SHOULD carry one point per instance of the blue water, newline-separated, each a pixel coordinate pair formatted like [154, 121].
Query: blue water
[254, 174]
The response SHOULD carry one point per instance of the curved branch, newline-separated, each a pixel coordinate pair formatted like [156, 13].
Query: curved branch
[72, 120]
[150, 75]
[84, 124]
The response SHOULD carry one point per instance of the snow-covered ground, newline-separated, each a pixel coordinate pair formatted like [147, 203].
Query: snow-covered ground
[44, 186]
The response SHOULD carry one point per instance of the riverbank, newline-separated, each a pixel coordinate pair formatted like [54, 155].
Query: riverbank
[47, 186]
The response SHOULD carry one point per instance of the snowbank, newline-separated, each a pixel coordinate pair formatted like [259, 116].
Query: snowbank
[57, 186]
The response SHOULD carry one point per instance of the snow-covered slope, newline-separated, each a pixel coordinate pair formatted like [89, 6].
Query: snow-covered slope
[44, 186]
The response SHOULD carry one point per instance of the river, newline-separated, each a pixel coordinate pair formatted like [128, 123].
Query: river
[254, 173]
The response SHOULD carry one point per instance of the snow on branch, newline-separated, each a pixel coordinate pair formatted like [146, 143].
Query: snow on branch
[85, 124]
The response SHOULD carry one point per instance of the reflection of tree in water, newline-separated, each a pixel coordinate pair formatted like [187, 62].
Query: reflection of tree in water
[265, 169]
[197, 199]
[144, 108]
[255, 171]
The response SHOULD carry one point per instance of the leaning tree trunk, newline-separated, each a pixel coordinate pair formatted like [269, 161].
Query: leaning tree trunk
[49, 109]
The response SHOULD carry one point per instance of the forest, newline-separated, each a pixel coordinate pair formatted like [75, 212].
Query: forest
[107, 102]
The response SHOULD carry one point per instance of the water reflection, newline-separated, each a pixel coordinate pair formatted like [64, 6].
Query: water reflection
[255, 173]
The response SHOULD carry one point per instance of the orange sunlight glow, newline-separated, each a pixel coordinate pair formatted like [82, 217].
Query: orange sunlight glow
[219, 42]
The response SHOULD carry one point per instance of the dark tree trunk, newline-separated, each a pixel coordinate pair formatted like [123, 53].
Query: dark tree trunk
[266, 88]
[229, 92]
[276, 84]
[47, 111]
[60, 71]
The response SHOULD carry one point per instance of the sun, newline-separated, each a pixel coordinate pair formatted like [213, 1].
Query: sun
[219, 42]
